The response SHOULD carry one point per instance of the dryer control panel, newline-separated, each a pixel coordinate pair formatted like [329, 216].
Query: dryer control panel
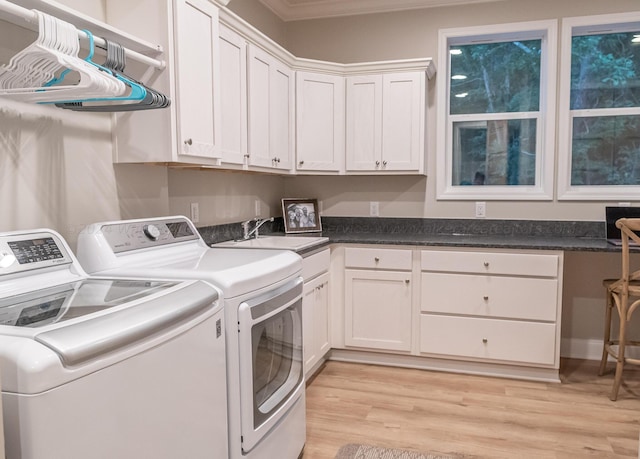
[133, 235]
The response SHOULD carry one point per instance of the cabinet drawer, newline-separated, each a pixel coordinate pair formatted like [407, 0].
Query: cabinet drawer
[492, 296]
[315, 264]
[372, 258]
[491, 339]
[524, 264]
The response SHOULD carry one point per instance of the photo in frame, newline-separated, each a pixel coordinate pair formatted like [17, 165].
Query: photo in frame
[301, 215]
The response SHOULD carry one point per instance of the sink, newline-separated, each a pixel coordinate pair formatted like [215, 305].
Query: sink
[295, 243]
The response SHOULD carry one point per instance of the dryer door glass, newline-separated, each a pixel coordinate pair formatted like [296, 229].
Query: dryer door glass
[277, 361]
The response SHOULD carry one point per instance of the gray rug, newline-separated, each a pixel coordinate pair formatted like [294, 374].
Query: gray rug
[353, 451]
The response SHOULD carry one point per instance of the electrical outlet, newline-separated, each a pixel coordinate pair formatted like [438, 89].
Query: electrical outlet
[374, 209]
[481, 209]
[195, 212]
[258, 210]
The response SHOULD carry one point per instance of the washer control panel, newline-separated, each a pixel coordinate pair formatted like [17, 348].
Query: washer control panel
[123, 237]
[27, 251]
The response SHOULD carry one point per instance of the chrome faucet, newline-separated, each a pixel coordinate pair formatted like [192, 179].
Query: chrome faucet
[253, 233]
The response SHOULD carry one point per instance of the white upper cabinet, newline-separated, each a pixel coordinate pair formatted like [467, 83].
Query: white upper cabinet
[196, 23]
[364, 122]
[233, 96]
[271, 105]
[188, 131]
[320, 122]
[386, 122]
[403, 123]
[241, 101]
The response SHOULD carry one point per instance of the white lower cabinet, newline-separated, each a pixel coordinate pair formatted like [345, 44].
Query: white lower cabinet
[482, 311]
[494, 306]
[488, 339]
[378, 299]
[315, 310]
[315, 321]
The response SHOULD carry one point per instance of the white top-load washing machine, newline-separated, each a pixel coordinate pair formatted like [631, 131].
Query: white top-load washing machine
[262, 292]
[106, 368]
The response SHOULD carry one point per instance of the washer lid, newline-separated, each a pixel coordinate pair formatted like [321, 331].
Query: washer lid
[85, 319]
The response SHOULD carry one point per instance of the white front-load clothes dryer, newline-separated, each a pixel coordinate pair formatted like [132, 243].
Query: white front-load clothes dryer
[95, 367]
[262, 292]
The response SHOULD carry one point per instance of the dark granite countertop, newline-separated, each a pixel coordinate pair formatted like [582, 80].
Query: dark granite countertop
[481, 241]
[583, 236]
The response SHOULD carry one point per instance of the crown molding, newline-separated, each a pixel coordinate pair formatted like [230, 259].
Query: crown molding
[295, 10]
[253, 36]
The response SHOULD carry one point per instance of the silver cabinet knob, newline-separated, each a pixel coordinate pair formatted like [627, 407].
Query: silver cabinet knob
[486, 264]
[486, 297]
[377, 163]
[301, 163]
[376, 259]
[188, 142]
[407, 281]
[384, 163]
[485, 340]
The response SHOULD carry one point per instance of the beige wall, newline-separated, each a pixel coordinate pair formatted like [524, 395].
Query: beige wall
[262, 18]
[414, 33]
[224, 197]
[56, 166]
[410, 34]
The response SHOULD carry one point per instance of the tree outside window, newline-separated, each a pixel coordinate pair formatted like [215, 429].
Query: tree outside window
[605, 75]
[498, 94]
[601, 88]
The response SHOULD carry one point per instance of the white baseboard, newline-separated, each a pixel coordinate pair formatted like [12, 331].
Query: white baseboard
[575, 348]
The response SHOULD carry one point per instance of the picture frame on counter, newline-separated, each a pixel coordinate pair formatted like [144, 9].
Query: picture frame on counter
[301, 215]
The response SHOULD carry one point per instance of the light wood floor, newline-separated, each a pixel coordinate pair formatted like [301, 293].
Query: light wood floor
[473, 416]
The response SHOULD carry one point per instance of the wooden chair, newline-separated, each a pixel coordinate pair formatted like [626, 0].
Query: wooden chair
[624, 294]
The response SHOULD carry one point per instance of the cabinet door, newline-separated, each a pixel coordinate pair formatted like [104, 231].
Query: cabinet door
[378, 309]
[364, 123]
[315, 320]
[403, 103]
[233, 96]
[197, 101]
[281, 115]
[319, 122]
[270, 104]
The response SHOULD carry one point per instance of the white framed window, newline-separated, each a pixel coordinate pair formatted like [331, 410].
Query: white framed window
[599, 129]
[496, 112]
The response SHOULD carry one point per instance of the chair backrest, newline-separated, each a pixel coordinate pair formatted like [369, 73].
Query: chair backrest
[629, 231]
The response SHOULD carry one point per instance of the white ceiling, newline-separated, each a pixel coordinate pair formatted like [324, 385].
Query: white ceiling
[293, 10]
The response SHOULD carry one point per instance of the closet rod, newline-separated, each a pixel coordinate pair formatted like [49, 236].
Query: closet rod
[31, 17]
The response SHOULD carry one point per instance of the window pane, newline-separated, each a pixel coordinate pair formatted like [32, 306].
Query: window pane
[605, 151]
[501, 152]
[605, 71]
[495, 77]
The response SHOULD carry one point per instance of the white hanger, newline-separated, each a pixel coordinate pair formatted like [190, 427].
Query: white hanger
[56, 49]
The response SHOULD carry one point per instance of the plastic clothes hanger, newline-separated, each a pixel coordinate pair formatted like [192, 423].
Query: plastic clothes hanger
[55, 49]
[136, 92]
[24, 66]
[116, 62]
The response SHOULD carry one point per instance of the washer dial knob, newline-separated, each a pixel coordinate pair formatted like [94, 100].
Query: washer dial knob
[151, 231]
[6, 259]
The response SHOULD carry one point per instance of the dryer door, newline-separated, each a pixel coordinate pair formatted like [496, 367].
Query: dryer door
[272, 377]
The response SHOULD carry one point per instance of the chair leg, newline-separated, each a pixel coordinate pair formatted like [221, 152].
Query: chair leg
[620, 361]
[607, 334]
